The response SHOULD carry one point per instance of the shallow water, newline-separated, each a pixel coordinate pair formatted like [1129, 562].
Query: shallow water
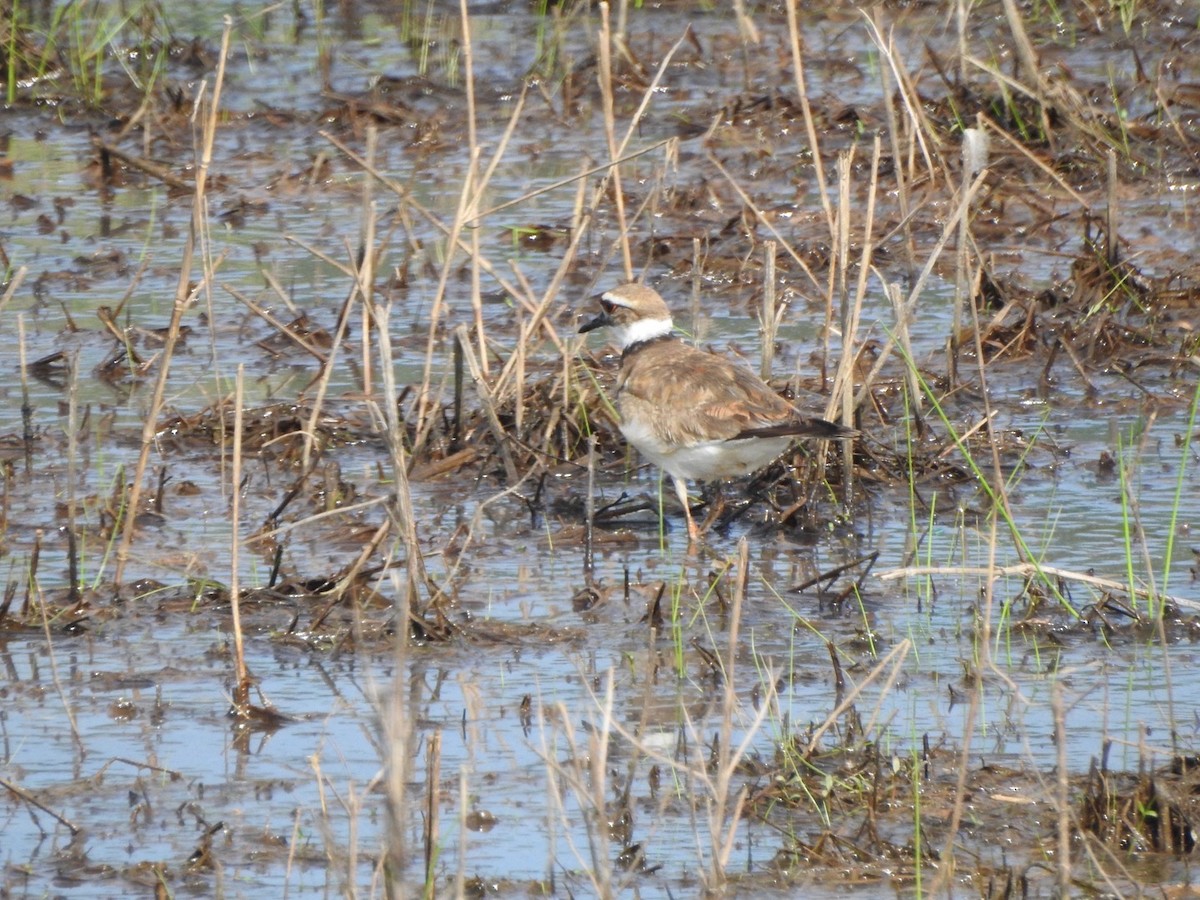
[147, 761]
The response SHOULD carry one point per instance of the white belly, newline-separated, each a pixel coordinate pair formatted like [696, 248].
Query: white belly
[705, 460]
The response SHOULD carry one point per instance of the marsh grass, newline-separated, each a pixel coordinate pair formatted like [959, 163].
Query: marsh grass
[503, 407]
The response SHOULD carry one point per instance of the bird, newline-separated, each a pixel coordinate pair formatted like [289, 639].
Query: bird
[696, 415]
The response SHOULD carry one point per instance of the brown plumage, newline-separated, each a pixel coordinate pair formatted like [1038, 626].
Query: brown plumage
[694, 414]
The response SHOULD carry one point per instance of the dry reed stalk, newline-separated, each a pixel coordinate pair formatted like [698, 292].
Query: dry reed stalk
[362, 271]
[241, 691]
[1036, 161]
[281, 530]
[366, 270]
[772, 313]
[841, 403]
[838, 293]
[1062, 792]
[349, 576]
[925, 136]
[946, 868]
[474, 185]
[589, 528]
[468, 57]
[398, 753]
[698, 324]
[73, 594]
[599, 741]
[433, 793]
[197, 229]
[52, 658]
[748, 35]
[1027, 58]
[28, 798]
[605, 73]
[281, 295]
[462, 335]
[26, 407]
[13, 284]
[400, 507]
[974, 161]
[844, 381]
[582, 218]
[502, 387]
[895, 659]
[898, 169]
[906, 309]
[583, 772]
[280, 327]
[723, 817]
[810, 128]
[519, 378]
[764, 221]
[583, 175]
[1112, 250]
[1029, 570]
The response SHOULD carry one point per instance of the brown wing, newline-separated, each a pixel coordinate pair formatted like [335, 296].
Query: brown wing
[693, 396]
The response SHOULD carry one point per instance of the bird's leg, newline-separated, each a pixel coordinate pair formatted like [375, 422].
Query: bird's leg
[681, 490]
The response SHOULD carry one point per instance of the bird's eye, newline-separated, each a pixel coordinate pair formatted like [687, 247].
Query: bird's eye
[607, 305]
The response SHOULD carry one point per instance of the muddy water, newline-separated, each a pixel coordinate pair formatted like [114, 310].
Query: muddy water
[118, 722]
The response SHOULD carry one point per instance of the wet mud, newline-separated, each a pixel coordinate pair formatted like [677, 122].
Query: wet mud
[327, 569]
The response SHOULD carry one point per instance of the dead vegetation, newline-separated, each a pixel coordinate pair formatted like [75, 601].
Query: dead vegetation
[740, 201]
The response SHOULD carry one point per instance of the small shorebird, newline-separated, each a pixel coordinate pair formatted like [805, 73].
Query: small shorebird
[694, 414]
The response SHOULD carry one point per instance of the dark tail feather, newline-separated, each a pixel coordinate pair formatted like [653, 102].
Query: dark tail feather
[810, 428]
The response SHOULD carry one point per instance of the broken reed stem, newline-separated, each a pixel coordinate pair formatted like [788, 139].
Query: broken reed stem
[29, 799]
[325, 374]
[241, 691]
[974, 161]
[836, 291]
[183, 293]
[771, 314]
[841, 398]
[1112, 252]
